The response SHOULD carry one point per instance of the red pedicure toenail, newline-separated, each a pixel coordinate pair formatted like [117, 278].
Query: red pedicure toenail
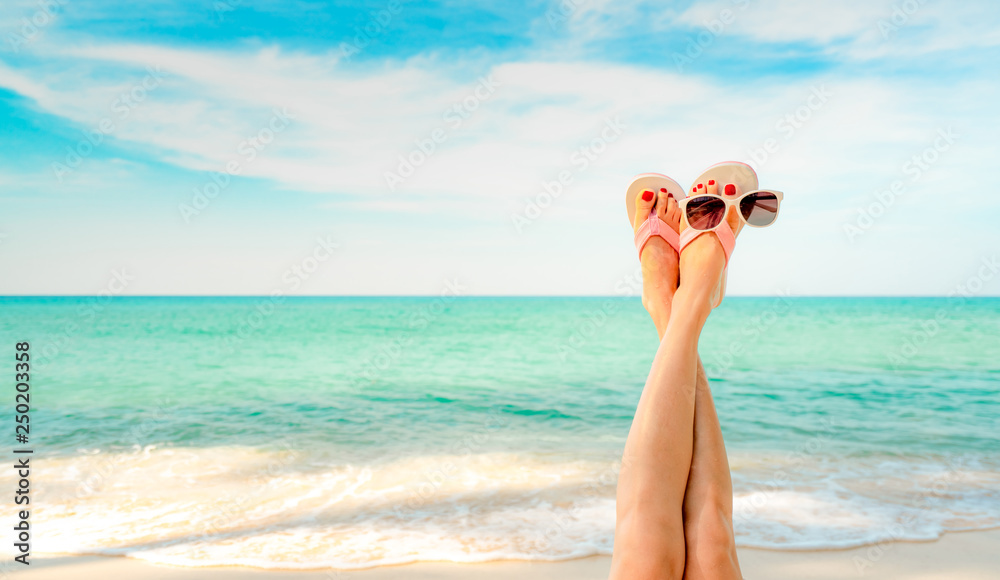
[730, 189]
[663, 190]
[670, 195]
[701, 186]
[647, 195]
[711, 182]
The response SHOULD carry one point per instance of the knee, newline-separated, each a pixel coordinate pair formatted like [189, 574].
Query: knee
[711, 545]
[646, 566]
[648, 547]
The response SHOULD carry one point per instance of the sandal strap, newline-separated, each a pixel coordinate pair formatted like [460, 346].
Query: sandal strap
[654, 226]
[725, 234]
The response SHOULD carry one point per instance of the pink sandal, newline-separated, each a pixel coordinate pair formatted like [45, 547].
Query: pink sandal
[653, 226]
[755, 207]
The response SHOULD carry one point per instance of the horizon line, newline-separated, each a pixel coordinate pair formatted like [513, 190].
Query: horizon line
[465, 296]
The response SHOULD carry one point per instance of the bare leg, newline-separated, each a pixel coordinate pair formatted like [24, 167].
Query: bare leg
[664, 527]
[708, 501]
[638, 484]
[649, 532]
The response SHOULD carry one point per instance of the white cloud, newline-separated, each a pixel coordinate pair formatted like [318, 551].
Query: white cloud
[784, 21]
[855, 28]
[351, 126]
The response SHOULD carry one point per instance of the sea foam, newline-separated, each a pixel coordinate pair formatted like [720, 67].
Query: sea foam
[289, 509]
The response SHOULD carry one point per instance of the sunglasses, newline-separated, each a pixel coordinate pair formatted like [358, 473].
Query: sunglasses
[758, 208]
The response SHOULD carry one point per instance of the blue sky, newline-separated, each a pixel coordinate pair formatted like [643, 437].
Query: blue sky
[877, 119]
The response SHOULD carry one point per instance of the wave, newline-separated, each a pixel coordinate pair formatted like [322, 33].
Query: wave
[290, 509]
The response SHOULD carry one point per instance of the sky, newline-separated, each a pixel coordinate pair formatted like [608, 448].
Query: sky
[419, 148]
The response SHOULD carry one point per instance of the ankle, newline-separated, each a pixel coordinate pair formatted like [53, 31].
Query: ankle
[658, 309]
[695, 304]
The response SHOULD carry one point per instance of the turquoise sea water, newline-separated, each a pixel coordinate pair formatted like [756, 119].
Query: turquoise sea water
[354, 432]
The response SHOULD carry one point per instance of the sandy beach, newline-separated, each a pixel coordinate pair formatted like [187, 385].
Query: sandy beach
[389, 290]
[956, 556]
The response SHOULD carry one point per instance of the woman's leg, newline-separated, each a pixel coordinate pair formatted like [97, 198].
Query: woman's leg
[650, 528]
[649, 532]
[708, 501]
[639, 478]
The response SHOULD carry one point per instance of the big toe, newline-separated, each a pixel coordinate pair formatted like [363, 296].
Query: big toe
[644, 203]
[732, 191]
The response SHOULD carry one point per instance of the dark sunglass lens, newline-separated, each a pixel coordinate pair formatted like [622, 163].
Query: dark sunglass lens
[759, 209]
[704, 213]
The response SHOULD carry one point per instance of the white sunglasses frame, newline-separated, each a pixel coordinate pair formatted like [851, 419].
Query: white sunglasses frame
[730, 201]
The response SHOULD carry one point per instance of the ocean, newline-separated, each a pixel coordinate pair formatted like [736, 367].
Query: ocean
[359, 432]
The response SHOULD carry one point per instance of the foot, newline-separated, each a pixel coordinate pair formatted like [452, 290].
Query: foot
[659, 260]
[704, 260]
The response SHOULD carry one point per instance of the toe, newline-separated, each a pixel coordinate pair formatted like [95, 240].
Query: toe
[643, 205]
[673, 215]
[662, 203]
[732, 218]
[712, 188]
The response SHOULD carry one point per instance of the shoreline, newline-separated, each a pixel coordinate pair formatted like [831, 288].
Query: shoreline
[967, 555]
